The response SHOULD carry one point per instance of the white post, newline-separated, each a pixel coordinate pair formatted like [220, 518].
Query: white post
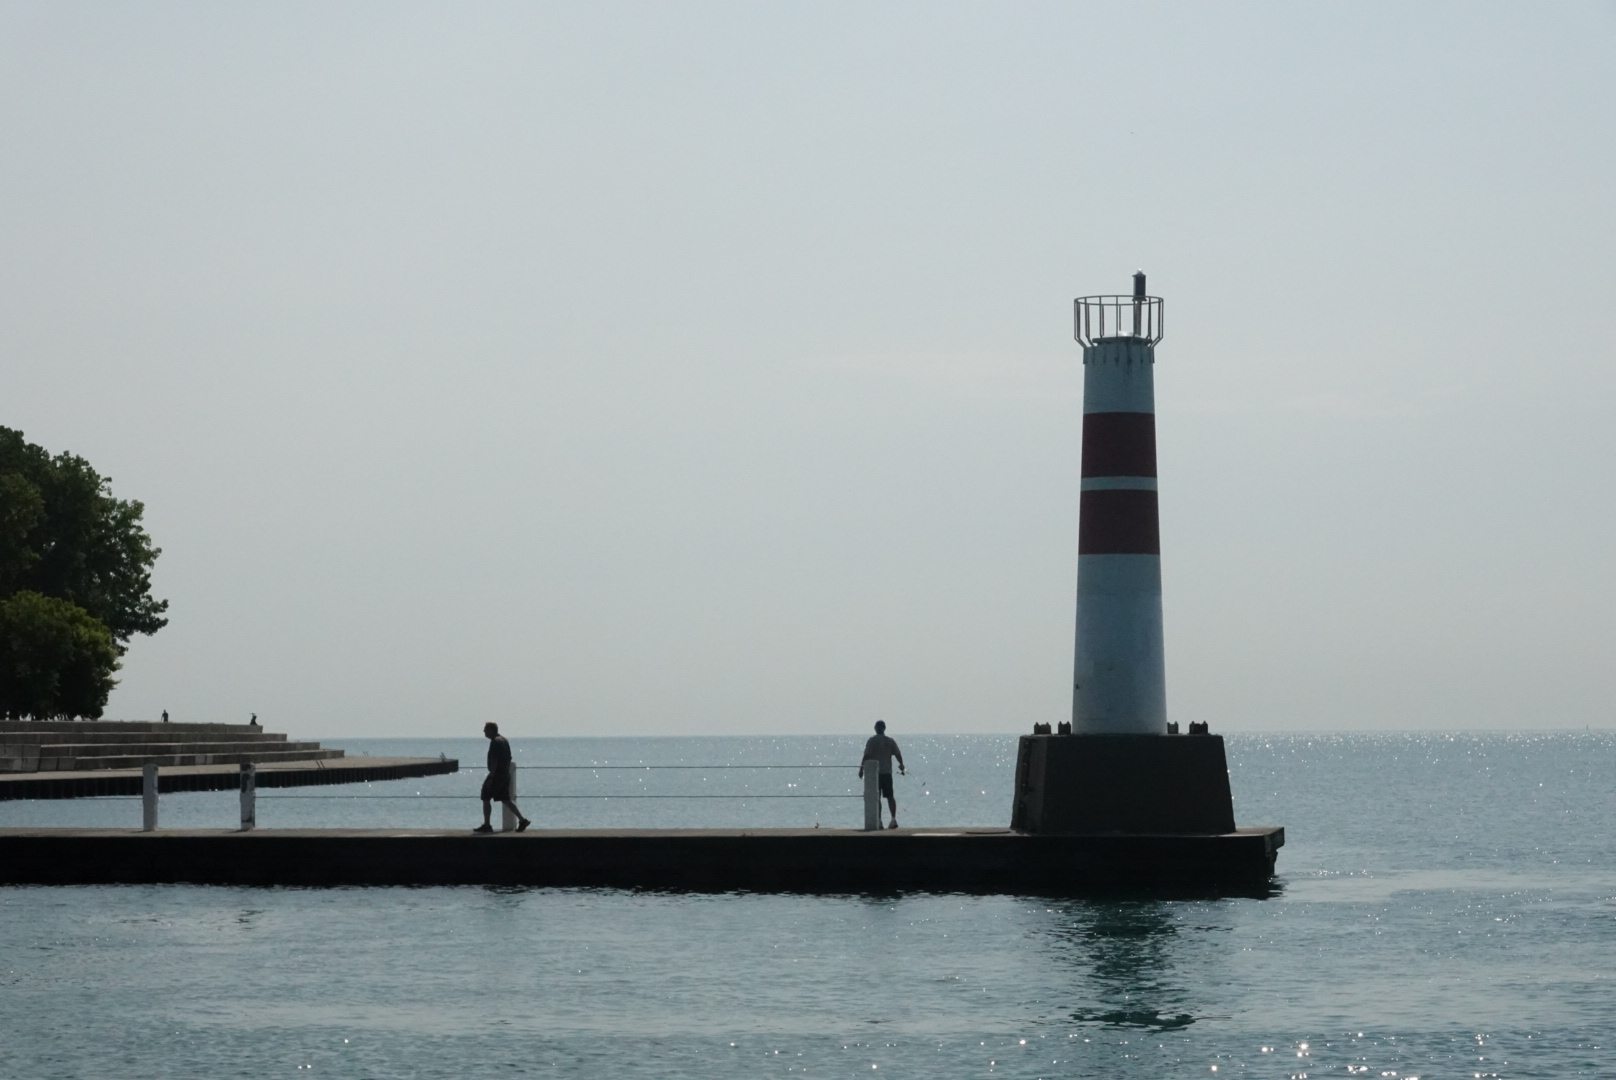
[872, 795]
[249, 796]
[507, 820]
[148, 798]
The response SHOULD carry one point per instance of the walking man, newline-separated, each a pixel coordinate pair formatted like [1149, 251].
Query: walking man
[882, 749]
[497, 788]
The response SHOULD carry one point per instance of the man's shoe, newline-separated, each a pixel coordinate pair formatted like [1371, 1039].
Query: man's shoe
[523, 826]
[894, 824]
[483, 828]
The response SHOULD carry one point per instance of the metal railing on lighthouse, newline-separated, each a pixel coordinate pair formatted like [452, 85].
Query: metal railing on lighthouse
[1114, 317]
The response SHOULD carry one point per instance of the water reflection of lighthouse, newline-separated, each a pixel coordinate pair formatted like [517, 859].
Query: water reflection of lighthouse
[1124, 958]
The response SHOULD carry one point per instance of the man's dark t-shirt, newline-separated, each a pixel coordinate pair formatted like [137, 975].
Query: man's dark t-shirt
[882, 748]
[499, 754]
[498, 784]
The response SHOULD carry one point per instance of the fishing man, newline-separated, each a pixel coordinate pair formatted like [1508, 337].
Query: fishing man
[497, 788]
[882, 749]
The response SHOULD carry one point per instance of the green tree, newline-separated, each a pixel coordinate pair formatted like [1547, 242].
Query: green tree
[75, 582]
[55, 658]
[21, 508]
[63, 534]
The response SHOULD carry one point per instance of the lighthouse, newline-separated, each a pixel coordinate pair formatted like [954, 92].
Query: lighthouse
[1119, 768]
[1119, 678]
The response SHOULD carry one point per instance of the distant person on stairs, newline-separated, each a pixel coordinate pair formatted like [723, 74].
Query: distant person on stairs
[883, 749]
[497, 788]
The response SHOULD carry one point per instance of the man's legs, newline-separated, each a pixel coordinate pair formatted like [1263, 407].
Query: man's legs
[488, 812]
[892, 804]
[521, 822]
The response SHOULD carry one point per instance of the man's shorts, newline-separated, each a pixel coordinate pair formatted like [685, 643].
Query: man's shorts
[497, 787]
[886, 785]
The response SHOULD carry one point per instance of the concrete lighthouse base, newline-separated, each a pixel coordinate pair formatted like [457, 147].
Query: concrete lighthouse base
[1161, 785]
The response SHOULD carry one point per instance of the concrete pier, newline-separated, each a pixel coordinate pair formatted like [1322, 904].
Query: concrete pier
[974, 860]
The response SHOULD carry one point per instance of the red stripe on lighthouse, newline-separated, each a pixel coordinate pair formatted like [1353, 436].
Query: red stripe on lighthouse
[1118, 522]
[1119, 444]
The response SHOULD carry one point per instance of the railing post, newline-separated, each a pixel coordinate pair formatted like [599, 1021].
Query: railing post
[872, 795]
[507, 820]
[148, 798]
[249, 796]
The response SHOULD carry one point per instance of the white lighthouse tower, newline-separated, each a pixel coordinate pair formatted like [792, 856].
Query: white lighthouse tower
[1119, 769]
[1119, 680]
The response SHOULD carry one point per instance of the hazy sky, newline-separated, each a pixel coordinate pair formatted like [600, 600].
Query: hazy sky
[688, 368]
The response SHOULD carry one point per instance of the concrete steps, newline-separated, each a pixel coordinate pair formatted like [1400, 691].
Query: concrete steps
[52, 761]
[124, 727]
[57, 746]
[86, 737]
[158, 749]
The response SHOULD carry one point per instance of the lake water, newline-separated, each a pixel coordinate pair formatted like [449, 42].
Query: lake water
[1445, 907]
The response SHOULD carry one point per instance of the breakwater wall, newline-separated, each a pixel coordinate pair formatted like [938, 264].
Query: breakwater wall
[703, 860]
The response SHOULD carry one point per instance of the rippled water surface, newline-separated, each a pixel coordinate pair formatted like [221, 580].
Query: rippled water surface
[1445, 907]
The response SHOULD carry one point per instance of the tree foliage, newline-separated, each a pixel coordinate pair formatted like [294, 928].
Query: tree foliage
[63, 534]
[75, 575]
[55, 658]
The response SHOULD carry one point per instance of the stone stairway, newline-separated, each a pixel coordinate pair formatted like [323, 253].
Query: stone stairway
[57, 746]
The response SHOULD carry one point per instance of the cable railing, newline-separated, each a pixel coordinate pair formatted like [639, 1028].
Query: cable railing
[708, 767]
[605, 795]
[249, 794]
[526, 798]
